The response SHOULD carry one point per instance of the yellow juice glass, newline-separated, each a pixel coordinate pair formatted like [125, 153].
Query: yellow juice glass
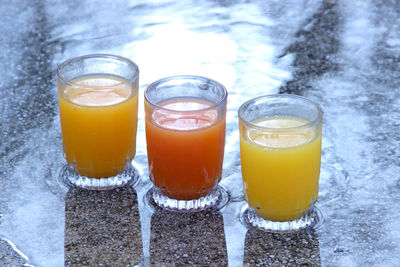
[280, 146]
[98, 100]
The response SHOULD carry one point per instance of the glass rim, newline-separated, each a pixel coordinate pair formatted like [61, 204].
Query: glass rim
[317, 120]
[128, 80]
[219, 102]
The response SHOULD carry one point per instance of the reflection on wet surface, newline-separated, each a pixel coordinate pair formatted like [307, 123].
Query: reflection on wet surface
[281, 249]
[312, 57]
[179, 239]
[342, 54]
[102, 228]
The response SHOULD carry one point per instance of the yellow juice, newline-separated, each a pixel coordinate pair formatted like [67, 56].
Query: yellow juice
[98, 124]
[280, 167]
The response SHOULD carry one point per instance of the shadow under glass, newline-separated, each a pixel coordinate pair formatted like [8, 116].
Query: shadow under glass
[102, 228]
[300, 248]
[181, 239]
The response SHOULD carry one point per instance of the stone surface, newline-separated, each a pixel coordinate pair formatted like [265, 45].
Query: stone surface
[10, 255]
[342, 54]
[102, 228]
[281, 249]
[187, 239]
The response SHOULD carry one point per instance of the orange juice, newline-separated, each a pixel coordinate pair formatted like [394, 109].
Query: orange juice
[98, 121]
[280, 168]
[185, 151]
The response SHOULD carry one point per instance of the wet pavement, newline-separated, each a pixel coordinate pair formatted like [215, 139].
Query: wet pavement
[343, 54]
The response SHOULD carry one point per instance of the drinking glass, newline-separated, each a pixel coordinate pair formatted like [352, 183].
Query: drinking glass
[98, 100]
[185, 133]
[280, 147]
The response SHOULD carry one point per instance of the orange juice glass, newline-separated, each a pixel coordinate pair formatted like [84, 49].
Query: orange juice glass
[98, 100]
[185, 133]
[280, 145]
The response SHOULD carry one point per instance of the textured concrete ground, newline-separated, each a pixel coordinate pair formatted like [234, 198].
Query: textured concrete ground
[342, 54]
